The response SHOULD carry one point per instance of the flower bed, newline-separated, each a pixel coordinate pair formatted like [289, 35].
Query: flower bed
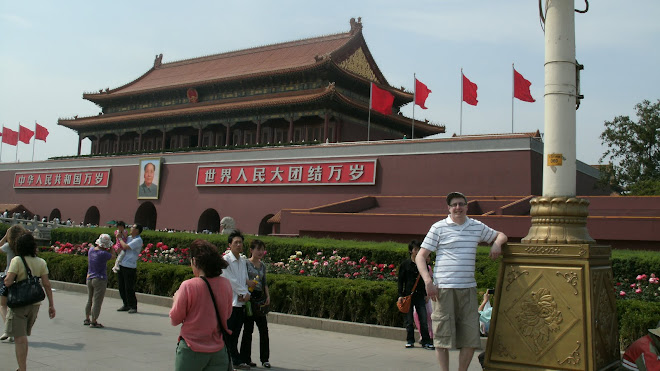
[645, 288]
[334, 266]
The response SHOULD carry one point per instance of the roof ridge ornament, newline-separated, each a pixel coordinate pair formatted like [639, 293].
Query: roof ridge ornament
[158, 61]
[356, 26]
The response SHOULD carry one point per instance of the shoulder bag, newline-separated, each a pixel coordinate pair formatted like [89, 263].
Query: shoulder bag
[223, 330]
[404, 305]
[25, 292]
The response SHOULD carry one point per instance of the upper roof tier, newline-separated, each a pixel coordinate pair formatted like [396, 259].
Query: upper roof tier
[265, 60]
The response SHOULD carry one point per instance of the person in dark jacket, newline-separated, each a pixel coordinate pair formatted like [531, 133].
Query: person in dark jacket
[408, 274]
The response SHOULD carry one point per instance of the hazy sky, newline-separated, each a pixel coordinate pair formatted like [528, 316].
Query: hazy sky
[53, 51]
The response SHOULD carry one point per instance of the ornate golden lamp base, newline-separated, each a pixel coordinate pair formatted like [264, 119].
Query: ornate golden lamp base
[554, 305]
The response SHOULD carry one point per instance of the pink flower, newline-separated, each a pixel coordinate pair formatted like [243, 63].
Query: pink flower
[632, 285]
[347, 275]
[641, 277]
[319, 253]
[654, 280]
[622, 293]
[325, 263]
[638, 291]
[302, 271]
[356, 274]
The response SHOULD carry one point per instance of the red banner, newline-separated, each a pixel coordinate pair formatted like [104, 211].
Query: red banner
[96, 178]
[288, 174]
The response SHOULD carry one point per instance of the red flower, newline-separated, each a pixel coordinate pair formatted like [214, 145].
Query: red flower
[302, 271]
[391, 266]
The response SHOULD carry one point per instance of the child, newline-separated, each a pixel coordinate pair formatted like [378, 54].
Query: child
[120, 234]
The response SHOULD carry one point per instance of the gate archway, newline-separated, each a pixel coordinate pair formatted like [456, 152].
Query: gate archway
[146, 215]
[209, 220]
[265, 228]
[92, 216]
[55, 214]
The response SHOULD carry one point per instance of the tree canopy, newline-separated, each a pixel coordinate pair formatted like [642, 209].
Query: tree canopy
[632, 158]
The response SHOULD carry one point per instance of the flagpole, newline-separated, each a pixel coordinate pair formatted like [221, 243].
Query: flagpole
[1, 141]
[460, 130]
[19, 129]
[412, 136]
[513, 92]
[35, 140]
[371, 84]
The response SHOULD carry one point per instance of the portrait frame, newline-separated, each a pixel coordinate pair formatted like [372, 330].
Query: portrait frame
[144, 191]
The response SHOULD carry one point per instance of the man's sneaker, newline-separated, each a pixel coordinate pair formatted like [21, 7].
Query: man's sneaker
[242, 366]
[4, 336]
[410, 345]
[428, 346]
[123, 309]
[132, 310]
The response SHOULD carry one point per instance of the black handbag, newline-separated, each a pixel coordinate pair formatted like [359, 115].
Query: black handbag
[25, 292]
[259, 306]
[223, 331]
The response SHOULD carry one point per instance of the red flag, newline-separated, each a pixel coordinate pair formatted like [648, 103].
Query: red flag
[9, 136]
[421, 93]
[41, 133]
[381, 100]
[24, 134]
[521, 88]
[469, 91]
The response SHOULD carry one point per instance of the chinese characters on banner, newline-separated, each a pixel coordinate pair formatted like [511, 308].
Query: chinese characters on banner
[96, 178]
[273, 174]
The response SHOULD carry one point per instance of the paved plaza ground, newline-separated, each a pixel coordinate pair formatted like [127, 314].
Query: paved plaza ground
[147, 341]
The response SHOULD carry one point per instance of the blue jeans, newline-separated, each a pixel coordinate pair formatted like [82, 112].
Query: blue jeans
[419, 303]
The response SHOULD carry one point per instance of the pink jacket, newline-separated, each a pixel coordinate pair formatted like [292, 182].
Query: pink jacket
[194, 308]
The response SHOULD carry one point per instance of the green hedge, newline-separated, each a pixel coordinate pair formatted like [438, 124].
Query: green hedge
[635, 317]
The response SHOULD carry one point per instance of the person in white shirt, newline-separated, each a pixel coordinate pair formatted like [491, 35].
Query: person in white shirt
[454, 240]
[237, 275]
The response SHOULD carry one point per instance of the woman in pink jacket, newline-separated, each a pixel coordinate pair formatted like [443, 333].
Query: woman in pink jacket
[201, 345]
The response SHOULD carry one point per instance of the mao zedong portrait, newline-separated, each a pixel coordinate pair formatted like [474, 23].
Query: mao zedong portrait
[148, 188]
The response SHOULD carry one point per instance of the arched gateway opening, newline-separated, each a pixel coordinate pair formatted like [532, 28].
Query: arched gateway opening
[55, 214]
[265, 228]
[209, 220]
[146, 215]
[92, 216]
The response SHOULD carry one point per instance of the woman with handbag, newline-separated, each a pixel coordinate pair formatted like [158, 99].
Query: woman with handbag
[409, 285]
[259, 302]
[203, 304]
[8, 246]
[26, 266]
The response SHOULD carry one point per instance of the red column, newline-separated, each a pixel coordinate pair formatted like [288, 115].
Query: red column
[258, 131]
[163, 142]
[139, 141]
[117, 143]
[80, 139]
[325, 127]
[199, 137]
[290, 134]
[228, 134]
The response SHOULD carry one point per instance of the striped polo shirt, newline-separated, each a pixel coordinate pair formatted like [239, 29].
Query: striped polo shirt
[455, 247]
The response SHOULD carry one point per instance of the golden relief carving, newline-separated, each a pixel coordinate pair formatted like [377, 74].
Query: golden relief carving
[573, 358]
[557, 220]
[502, 350]
[513, 275]
[571, 278]
[538, 317]
[544, 250]
[359, 65]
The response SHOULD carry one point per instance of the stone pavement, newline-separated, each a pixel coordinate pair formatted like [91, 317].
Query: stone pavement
[147, 341]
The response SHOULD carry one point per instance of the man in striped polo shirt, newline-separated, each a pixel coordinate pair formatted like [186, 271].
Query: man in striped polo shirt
[455, 315]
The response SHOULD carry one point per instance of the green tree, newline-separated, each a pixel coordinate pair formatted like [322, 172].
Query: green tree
[632, 159]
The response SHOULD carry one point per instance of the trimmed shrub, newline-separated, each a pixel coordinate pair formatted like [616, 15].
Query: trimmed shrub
[635, 318]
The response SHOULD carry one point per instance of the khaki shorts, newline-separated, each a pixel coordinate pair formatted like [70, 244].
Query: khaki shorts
[456, 319]
[20, 320]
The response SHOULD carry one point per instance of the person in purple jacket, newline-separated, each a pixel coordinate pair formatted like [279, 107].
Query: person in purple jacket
[97, 278]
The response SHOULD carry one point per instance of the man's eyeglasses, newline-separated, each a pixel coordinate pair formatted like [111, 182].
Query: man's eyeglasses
[457, 204]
